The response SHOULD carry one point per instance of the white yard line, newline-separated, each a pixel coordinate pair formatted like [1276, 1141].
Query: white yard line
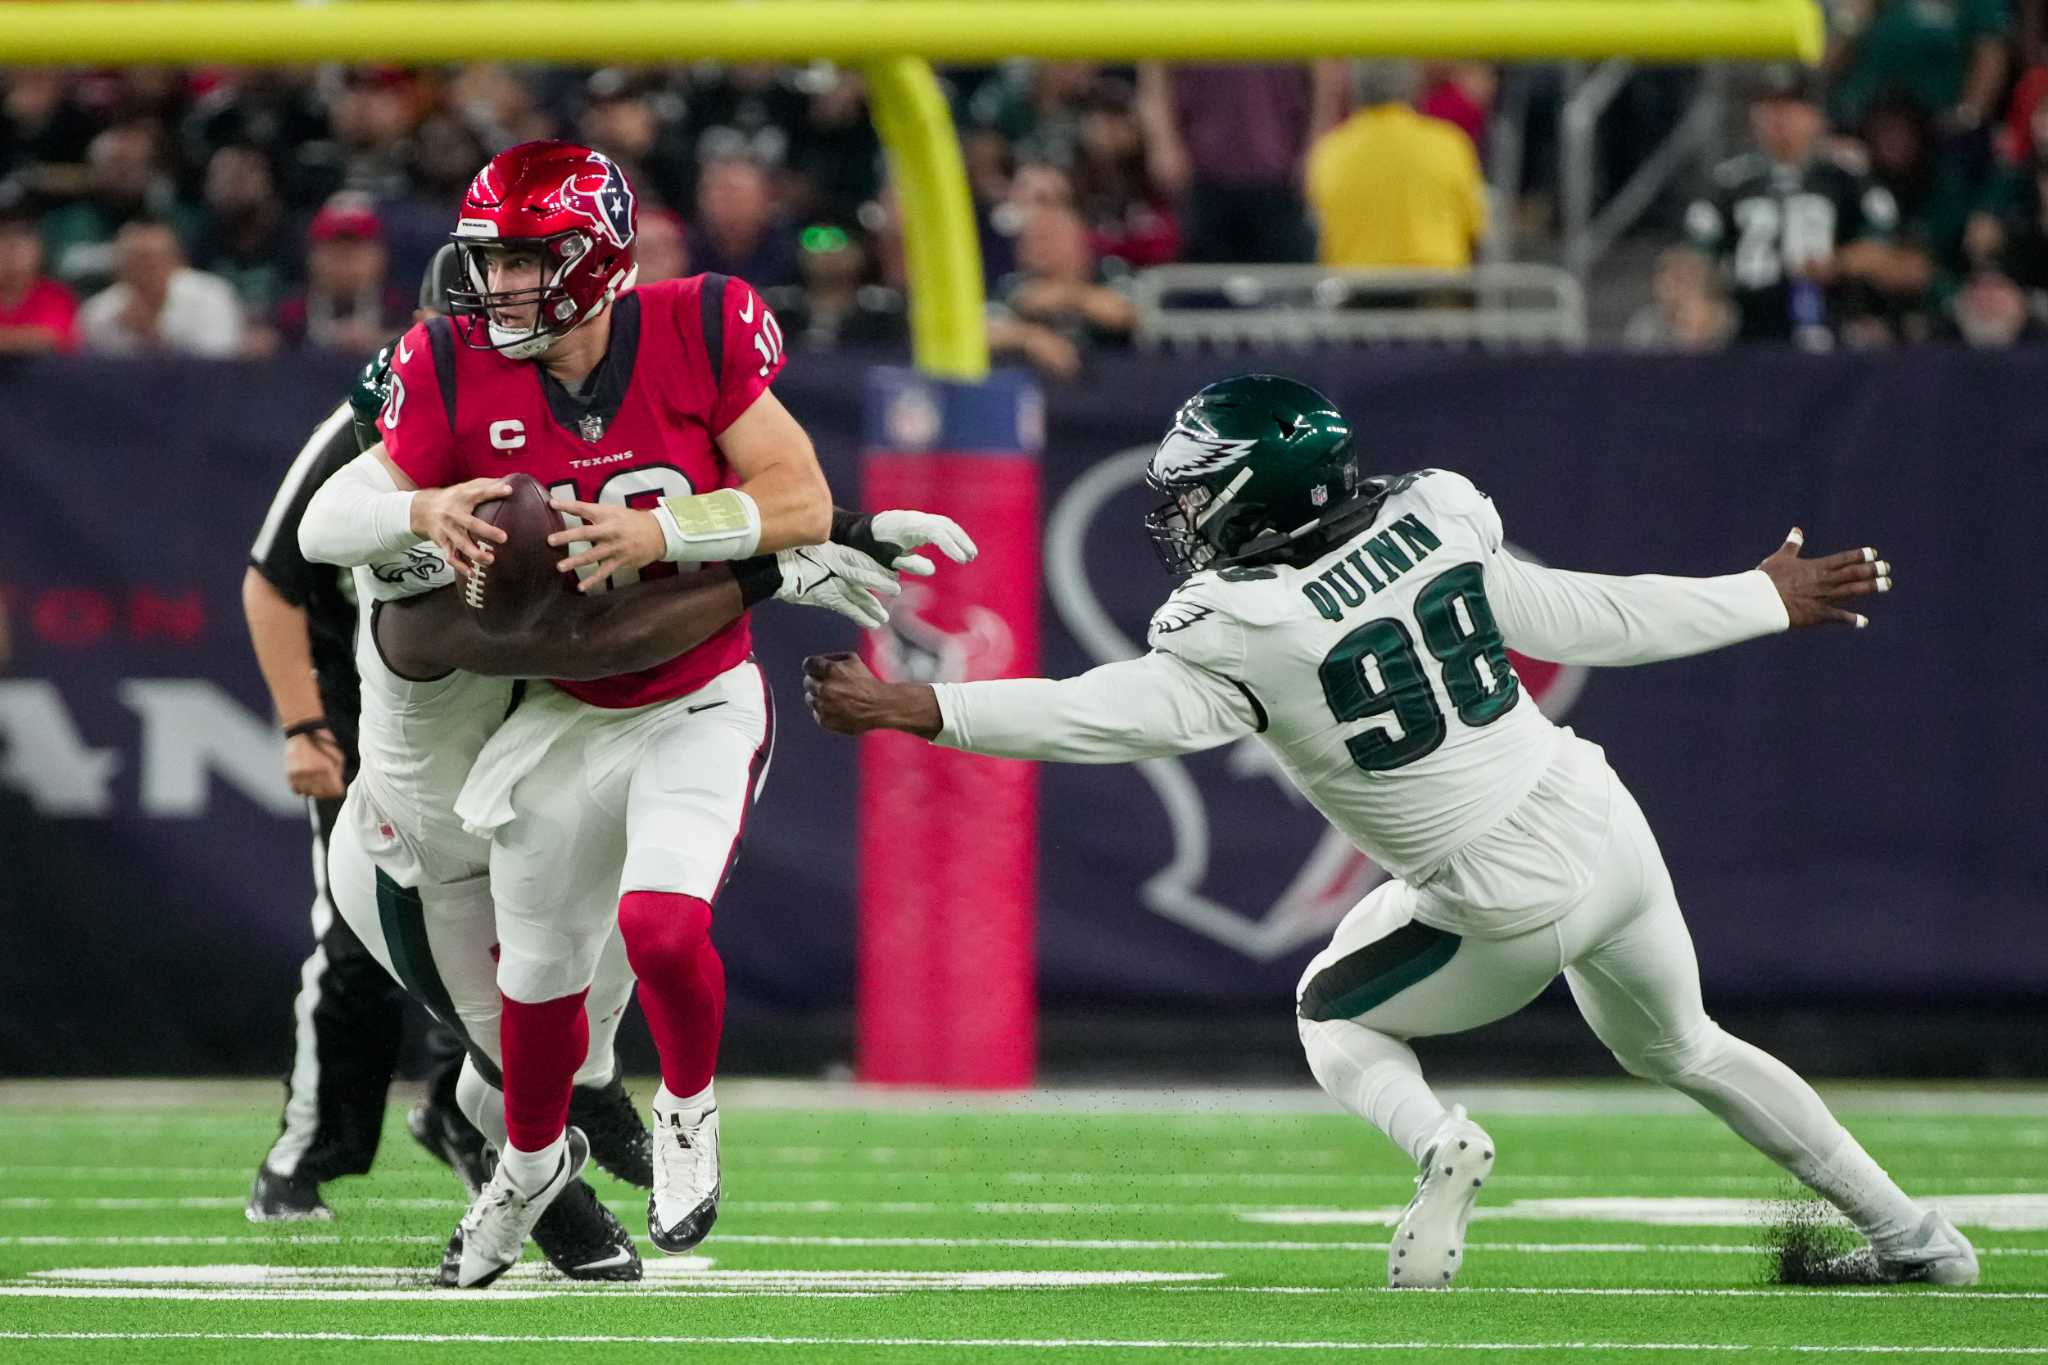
[949, 1243]
[1531, 1100]
[1023, 1343]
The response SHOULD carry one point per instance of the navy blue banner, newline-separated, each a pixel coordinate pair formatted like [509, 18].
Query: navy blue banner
[1848, 816]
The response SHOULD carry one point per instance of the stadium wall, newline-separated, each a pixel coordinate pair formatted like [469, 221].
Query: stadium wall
[1848, 817]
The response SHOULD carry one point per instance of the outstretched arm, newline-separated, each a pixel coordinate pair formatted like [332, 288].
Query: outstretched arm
[1149, 707]
[1599, 619]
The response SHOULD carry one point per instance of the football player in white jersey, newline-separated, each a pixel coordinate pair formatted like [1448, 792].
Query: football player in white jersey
[1360, 628]
[414, 884]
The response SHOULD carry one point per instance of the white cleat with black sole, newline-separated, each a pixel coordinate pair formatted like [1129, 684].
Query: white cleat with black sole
[492, 1235]
[1429, 1241]
[684, 1203]
[1937, 1254]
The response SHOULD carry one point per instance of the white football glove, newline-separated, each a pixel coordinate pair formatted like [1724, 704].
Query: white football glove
[910, 529]
[837, 579]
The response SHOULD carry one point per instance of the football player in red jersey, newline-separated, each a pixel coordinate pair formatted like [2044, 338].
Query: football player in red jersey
[647, 413]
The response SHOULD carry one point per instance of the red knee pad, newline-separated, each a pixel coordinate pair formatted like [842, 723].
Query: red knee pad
[663, 931]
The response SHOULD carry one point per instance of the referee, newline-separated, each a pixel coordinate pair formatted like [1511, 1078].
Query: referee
[348, 1021]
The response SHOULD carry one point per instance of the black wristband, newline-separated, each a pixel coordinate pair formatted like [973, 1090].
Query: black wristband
[307, 727]
[857, 532]
[760, 578]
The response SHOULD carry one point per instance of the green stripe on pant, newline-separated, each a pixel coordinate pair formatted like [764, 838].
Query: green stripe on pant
[1362, 981]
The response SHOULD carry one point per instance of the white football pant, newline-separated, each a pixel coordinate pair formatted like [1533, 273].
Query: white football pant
[1623, 948]
[436, 940]
[591, 803]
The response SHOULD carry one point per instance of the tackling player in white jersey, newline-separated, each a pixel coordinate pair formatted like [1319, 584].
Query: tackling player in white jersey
[414, 884]
[1360, 629]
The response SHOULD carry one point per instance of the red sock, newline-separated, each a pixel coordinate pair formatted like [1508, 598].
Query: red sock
[543, 1044]
[682, 983]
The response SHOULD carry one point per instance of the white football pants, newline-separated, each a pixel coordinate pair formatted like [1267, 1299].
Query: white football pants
[1623, 948]
[438, 940]
[588, 803]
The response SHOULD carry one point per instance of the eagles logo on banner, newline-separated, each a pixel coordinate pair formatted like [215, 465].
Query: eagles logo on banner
[1331, 876]
[600, 194]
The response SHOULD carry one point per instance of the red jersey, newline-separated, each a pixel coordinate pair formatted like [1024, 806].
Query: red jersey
[645, 429]
[46, 304]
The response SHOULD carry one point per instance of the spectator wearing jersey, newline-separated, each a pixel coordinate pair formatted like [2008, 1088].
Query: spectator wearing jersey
[1803, 236]
[37, 314]
[158, 304]
[1390, 186]
[349, 303]
[1947, 56]
[736, 230]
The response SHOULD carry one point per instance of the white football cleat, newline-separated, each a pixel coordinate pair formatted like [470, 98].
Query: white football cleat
[1936, 1254]
[1429, 1241]
[492, 1235]
[684, 1203]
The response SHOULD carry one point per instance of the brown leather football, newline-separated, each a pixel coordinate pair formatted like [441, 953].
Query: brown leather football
[512, 591]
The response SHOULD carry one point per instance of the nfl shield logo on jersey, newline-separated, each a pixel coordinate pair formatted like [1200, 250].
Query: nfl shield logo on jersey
[591, 428]
[599, 192]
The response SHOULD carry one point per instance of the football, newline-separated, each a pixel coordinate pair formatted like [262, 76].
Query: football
[512, 591]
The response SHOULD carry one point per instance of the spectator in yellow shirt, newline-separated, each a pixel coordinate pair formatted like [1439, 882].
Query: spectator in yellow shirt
[1391, 187]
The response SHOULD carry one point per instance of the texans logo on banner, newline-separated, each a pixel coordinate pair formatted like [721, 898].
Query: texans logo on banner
[599, 193]
[1308, 874]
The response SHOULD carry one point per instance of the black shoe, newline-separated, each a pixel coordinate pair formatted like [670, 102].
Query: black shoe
[582, 1239]
[619, 1141]
[451, 1140]
[285, 1198]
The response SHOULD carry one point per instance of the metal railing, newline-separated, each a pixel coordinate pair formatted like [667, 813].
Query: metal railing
[1590, 229]
[1226, 306]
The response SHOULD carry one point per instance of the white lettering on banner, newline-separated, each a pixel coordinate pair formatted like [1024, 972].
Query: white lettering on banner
[46, 758]
[190, 730]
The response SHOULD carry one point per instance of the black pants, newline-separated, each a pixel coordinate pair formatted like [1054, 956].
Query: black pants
[1242, 224]
[348, 1031]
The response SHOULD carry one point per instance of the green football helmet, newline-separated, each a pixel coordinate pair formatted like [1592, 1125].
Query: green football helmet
[1250, 466]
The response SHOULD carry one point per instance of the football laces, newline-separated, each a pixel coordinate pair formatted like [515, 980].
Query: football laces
[473, 589]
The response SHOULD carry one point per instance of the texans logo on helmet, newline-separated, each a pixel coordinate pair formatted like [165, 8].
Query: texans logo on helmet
[599, 192]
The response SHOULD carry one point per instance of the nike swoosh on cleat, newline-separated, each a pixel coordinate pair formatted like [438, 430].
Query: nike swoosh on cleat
[620, 1257]
[693, 710]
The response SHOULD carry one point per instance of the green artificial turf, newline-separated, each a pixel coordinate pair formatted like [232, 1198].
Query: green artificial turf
[953, 1230]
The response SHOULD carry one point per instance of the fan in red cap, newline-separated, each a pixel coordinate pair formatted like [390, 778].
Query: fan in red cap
[569, 205]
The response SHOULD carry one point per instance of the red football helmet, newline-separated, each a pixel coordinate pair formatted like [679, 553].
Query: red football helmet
[570, 205]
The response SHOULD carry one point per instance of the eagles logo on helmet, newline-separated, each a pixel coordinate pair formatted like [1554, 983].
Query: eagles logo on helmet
[574, 210]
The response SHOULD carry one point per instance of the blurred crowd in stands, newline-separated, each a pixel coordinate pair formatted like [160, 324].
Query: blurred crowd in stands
[1898, 195]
